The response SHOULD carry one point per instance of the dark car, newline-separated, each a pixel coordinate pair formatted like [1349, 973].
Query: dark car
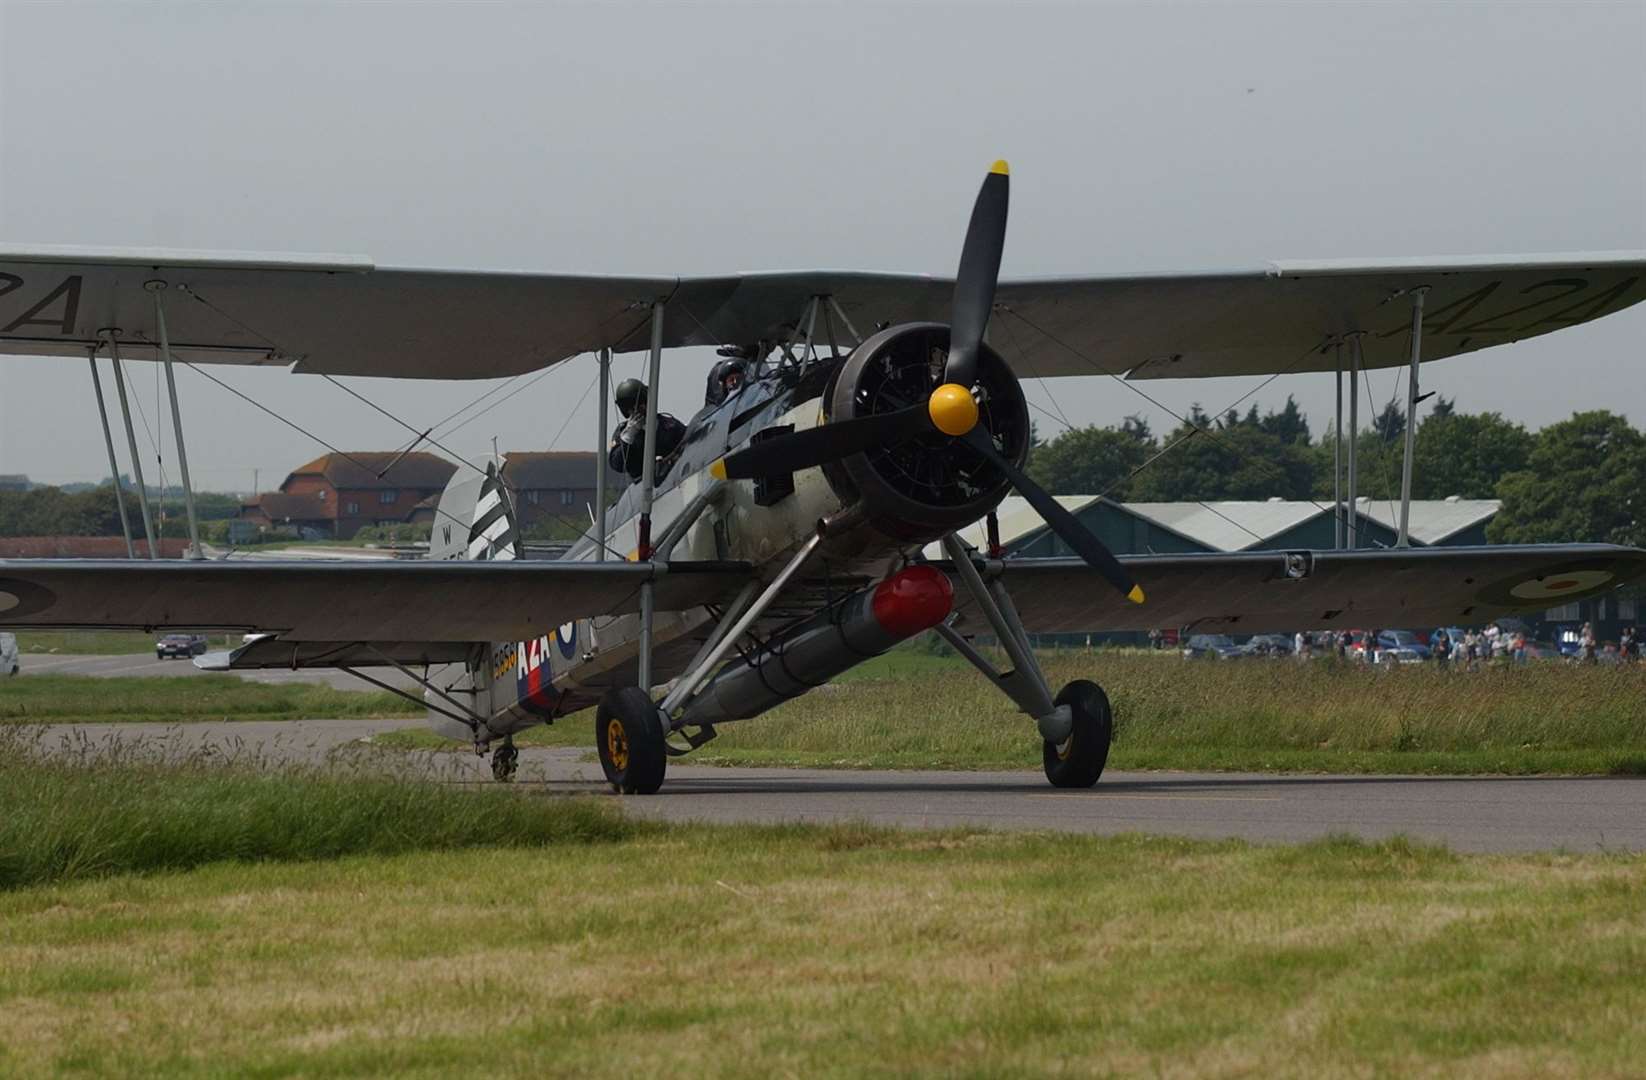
[179, 645]
[1211, 647]
[1270, 645]
[1401, 645]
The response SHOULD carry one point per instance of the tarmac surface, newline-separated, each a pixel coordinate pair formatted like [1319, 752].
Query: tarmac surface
[1473, 813]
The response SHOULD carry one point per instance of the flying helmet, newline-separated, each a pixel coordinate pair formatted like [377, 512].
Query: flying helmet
[630, 396]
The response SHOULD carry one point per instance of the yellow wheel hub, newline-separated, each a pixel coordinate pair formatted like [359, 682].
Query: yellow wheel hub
[952, 409]
[1066, 749]
[617, 745]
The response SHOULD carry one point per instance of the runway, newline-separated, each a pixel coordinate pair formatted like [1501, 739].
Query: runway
[1483, 813]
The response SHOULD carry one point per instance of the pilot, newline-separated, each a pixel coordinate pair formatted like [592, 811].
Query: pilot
[725, 379]
[628, 449]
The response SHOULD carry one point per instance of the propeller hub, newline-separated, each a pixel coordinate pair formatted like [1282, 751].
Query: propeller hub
[953, 409]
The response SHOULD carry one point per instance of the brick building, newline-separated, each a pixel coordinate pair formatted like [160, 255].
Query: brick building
[337, 495]
[548, 484]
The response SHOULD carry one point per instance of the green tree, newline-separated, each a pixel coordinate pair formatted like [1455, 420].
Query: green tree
[1289, 425]
[1390, 424]
[1466, 454]
[1237, 462]
[1585, 480]
[1090, 460]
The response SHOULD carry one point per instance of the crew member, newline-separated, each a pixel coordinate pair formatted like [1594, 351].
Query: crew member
[628, 449]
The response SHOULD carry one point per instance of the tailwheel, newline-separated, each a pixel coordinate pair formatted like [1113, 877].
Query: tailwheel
[1078, 760]
[505, 761]
[628, 733]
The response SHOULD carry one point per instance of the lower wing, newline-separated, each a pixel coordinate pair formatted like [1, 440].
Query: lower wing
[1257, 592]
[346, 601]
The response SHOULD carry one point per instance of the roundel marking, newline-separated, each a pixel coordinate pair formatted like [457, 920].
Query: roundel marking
[1555, 586]
[18, 598]
[1551, 584]
[566, 638]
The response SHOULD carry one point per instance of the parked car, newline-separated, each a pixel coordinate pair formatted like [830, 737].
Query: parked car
[1211, 647]
[10, 663]
[1401, 645]
[182, 646]
[1270, 645]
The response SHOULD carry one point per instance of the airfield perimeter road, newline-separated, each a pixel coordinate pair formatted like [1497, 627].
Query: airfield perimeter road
[1484, 813]
[144, 664]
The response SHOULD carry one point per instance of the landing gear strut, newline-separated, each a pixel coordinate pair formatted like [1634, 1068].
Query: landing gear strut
[505, 761]
[1076, 726]
[628, 733]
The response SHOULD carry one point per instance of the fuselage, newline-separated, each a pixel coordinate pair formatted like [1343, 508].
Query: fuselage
[531, 682]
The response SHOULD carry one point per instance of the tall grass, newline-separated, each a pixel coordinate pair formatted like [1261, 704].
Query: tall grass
[90, 810]
[1170, 713]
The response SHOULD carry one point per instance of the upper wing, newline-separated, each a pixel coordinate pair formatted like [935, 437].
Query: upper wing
[1257, 592]
[346, 316]
[345, 601]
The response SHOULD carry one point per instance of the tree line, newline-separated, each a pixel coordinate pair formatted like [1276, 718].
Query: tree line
[51, 511]
[1581, 479]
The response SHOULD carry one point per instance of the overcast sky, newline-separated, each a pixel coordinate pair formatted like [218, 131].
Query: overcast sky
[699, 138]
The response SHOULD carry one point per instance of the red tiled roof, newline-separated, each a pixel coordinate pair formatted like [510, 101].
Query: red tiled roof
[359, 469]
[564, 469]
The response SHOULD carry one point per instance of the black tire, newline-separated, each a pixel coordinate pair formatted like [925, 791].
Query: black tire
[628, 734]
[1079, 761]
[505, 761]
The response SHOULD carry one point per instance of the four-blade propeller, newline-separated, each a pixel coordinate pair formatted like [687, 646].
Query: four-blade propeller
[951, 409]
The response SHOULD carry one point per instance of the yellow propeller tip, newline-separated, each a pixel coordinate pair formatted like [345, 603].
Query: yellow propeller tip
[1000, 168]
[718, 469]
[1136, 595]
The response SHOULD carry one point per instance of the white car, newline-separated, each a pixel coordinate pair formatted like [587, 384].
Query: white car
[9, 661]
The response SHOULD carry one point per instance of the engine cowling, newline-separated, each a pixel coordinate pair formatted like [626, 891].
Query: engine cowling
[917, 489]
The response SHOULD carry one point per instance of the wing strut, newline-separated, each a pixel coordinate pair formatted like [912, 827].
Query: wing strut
[1404, 539]
[648, 486]
[155, 288]
[108, 441]
[113, 336]
[1354, 438]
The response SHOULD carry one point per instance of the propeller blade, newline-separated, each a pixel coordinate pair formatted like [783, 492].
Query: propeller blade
[823, 443]
[975, 280]
[1063, 523]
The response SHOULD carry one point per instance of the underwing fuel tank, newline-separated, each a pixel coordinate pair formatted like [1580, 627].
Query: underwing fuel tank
[868, 623]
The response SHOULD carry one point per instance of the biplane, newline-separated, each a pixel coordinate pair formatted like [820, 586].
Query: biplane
[782, 540]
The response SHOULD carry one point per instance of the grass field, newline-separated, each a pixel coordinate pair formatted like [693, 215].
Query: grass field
[909, 709]
[837, 952]
[194, 920]
[94, 642]
[63, 699]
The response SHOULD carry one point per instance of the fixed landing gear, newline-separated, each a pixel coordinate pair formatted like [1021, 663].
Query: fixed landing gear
[1078, 761]
[628, 733]
[505, 761]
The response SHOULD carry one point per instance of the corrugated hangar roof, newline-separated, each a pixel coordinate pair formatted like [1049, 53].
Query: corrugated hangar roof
[1227, 526]
[1432, 520]
[1233, 525]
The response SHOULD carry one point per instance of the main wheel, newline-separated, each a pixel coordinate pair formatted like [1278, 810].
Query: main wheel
[505, 761]
[628, 733]
[1078, 761]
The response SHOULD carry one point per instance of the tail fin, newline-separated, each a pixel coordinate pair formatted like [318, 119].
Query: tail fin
[475, 520]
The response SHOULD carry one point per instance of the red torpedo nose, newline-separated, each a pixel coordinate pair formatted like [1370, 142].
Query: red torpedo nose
[911, 600]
